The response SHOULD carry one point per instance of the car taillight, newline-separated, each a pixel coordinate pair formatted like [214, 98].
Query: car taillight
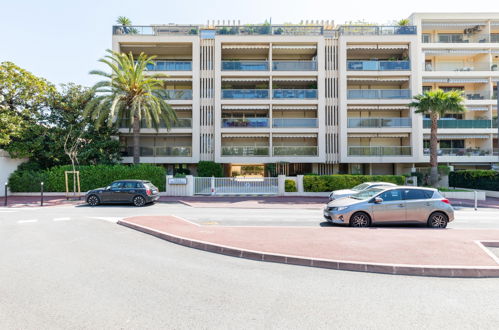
[445, 200]
[149, 192]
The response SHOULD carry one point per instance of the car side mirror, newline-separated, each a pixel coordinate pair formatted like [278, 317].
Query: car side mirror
[378, 200]
[108, 188]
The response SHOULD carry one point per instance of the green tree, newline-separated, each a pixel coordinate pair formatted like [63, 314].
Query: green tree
[129, 95]
[437, 104]
[10, 124]
[403, 22]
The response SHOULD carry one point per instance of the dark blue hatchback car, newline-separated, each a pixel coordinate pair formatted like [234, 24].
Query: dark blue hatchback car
[136, 192]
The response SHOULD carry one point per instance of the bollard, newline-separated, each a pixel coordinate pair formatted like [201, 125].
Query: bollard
[41, 191]
[5, 201]
[476, 199]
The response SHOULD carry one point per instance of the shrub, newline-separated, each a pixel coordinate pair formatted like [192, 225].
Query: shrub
[91, 177]
[208, 169]
[324, 183]
[475, 179]
[290, 186]
[420, 176]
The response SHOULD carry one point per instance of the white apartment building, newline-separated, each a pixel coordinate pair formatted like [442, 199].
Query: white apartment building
[319, 98]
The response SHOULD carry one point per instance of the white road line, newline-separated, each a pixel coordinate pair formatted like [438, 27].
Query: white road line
[27, 221]
[110, 219]
[3, 211]
[62, 219]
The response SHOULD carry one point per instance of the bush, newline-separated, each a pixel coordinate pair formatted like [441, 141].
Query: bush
[475, 179]
[290, 186]
[324, 183]
[91, 177]
[209, 169]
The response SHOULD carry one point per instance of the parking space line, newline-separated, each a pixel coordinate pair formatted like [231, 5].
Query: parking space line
[27, 221]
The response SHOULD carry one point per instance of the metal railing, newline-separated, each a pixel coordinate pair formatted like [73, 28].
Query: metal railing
[378, 122]
[245, 65]
[245, 93]
[379, 151]
[245, 122]
[294, 65]
[295, 150]
[170, 66]
[376, 30]
[458, 38]
[178, 94]
[294, 122]
[180, 123]
[294, 93]
[156, 30]
[451, 66]
[378, 65]
[267, 29]
[152, 151]
[248, 186]
[459, 152]
[244, 151]
[379, 94]
[460, 123]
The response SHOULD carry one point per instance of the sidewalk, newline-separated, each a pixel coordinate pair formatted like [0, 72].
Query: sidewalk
[401, 251]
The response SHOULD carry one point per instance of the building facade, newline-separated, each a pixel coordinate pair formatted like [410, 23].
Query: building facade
[319, 98]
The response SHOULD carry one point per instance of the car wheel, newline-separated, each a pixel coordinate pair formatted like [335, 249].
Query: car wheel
[437, 220]
[360, 219]
[93, 200]
[139, 201]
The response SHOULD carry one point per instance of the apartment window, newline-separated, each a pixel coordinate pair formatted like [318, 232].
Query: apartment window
[426, 144]
[452, 88]
[451, 144]
[426, 88]
[426, 38]
[494, 37]
[450, 37]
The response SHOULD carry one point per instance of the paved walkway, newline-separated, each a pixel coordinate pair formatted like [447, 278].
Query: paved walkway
[409, 251]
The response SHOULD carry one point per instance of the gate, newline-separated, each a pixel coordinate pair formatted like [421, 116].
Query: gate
[236, 186]
[202, 186]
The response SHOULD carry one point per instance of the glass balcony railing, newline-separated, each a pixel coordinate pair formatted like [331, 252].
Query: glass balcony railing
[477, 95]
[152, 151]
[294, 122]
[459, 152]
[459, 38]
[295, 151]
[245, 122]
[295, 93]
[379, 151]
[379, 94]
[378, 122]
[245, 65]
[151, 30]
[245, 93]
[376, 30]
[178, 94]
[294, 65]
[460, 123]
[267, 29]
[378, 65]
[450, 66]
[170, 66]
[244, 151]
[180, 123]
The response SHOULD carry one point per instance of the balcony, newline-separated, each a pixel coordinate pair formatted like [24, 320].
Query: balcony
[378, 122]
[245, 93]
[379, 94]
[245, 65]
[459, 152]
[245, 122]
[294, 65]
[180, 123]
[267, 29]
[154, 30]
[246, 151]
[295, 151]
[170, 66]
[456, 38]
[294, 122]
[378, 65]
[161, 151]
[306, 94]
[457, 67]
[379, 151]
[460, 123]
[178, 94]
[376, 30]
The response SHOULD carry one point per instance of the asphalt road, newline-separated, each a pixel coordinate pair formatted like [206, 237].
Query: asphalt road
[73, 267]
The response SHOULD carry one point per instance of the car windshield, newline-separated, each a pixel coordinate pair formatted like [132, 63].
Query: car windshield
[368, 193]
[360, 187]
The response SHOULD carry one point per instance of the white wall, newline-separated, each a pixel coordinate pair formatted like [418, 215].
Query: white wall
[7, 166]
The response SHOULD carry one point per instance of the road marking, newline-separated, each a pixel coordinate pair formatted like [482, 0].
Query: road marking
[27, 221]
[62, 219]
[110, 219]
[4, 211]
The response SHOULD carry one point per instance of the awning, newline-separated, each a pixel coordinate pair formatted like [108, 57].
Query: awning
[435, 80]
[245, 107]
[181, 108]
[245, 46]
[455, 51]
[294, 107]
[378, 79]
[494, 51]
[477, 108]
[393, 135]
[495, 80]
[177, 79]
[457, 136]
[294, 47]
[380, 135]
[246, 79]
[314, 79]
[456, 25]
[294, 136]
[468, 80]
[362, 46]
[393, 46]
[366, 135]
[245, 136]
[377, 107]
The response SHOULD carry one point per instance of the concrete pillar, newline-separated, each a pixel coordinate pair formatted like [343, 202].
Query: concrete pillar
[190, 185]
[299, 183]
[281, 180]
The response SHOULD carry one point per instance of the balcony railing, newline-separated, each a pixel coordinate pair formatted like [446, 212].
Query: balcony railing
[245, 65]
[379, 151]
[170, 66]
[178, 94]
[376, 30]
[295, 151]
[294, 65]
[245, 93]
[245, 122]
[378, 65]
[477, 95]
[458, 38]
[449, 66]
[378, 122]
[379, 94]
[152, 151]
[295, 93]
[180, 123]
[244, 151]
[294, 122]
[267, 29]
[151, 30]
[460, 152]
[460, 123]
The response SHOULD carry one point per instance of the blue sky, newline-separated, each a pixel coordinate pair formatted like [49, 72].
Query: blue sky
[62, 40]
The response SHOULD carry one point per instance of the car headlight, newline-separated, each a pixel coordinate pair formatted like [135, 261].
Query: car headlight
[338, 208]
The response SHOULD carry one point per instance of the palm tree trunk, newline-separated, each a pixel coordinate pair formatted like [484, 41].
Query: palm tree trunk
[433, 149]
[136, 139]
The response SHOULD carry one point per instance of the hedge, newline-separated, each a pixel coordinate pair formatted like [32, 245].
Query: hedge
[313, 183]
[91, 177]
[209, 169]
[290, 186]
[475, 179]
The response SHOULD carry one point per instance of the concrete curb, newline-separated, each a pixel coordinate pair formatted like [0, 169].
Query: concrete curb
[392, 269]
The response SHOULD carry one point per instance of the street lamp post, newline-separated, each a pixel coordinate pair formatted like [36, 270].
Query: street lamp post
[41, 191]
[5, 190]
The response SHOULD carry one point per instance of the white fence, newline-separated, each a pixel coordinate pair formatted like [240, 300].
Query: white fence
[236, 186]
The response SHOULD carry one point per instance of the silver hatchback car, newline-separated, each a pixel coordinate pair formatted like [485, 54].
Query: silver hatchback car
[385, 205]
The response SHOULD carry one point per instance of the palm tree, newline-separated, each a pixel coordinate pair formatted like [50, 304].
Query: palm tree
[437, 103]
[126, 23]
[403, 22]
[129, 95]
